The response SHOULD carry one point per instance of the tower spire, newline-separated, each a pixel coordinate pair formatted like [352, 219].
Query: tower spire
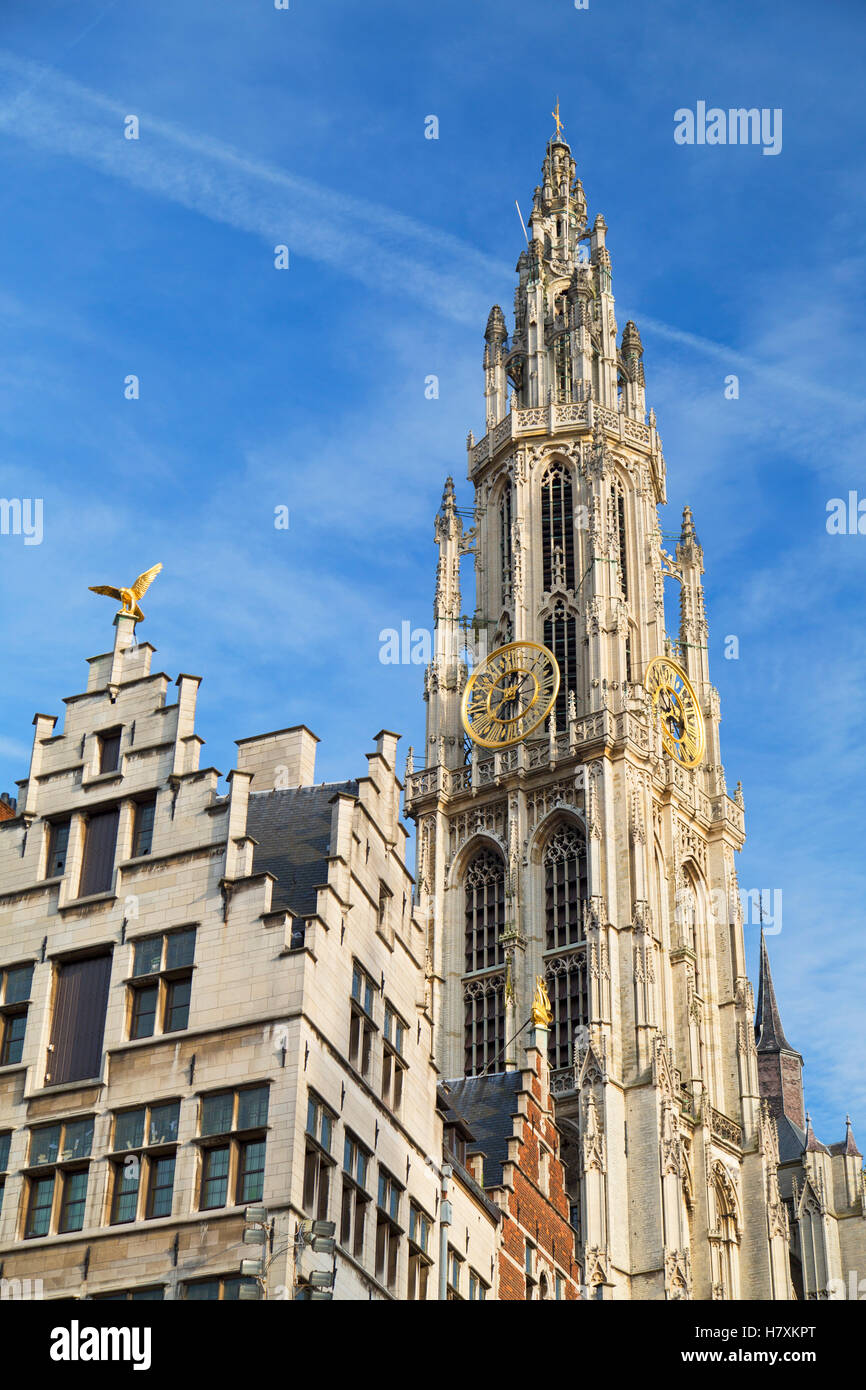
[769, 1033]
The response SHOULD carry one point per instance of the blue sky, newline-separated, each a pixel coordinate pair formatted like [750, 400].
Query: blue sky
[305, 387]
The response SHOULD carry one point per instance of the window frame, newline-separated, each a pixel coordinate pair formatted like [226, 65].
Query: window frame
[11, 1011]
[109, 743]
[55, 1175]
[234, 1141]
[139, 831]
[55, 827]
[149, 1153]
[165, 980]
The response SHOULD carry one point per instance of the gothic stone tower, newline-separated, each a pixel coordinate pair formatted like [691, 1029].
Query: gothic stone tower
[585, 854]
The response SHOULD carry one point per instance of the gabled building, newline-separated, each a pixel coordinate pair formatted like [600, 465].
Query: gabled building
[213, 1003]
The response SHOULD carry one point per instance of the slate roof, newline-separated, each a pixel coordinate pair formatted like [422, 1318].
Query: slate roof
[792, 1140]
[488, 1104]
[293, 830]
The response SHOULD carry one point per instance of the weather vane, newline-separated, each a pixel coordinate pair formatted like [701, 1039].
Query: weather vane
[555, 115]
[129, 597]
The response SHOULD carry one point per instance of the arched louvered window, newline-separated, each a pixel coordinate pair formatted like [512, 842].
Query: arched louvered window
[565, 892]
[569, 1002]
[622, 544]
[485, 910]
[484, 1024]
[557, 529]
[505, 556]
[560, 635]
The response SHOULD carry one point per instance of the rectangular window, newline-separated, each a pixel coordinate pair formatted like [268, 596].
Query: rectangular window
[142, 833]
[355, 1201]
[161, 984]
[4, 1163]
[109, 750]
[144, 1006]
[15, 984]
[363, 989]
[393, 1065]
[215, 1177]
[142, 1134]
[252, 1171]
[388, 1230]
[58, 848]
[234, 1170]
[177, 996]
[160, 1190]
[39, 1207]
[455, 1266]
[14, 1028]
[124, 1206]
[56, 1145]
[100, 841]
[253, 1108]
[60, 1142]
[395, 1029]
[383, 915]
[419, 1228]
[419, 1261]
[218, 1290]
[477, 1288]
[163, 1123]
[317, 1183]
[217, 1113]
[361, 1032]
[78, 1021]
[147, 956]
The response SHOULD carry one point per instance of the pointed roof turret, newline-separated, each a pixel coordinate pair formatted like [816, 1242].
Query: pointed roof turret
[847, 1146]
[850, 1141]
[813, 1144]
[769, 1033]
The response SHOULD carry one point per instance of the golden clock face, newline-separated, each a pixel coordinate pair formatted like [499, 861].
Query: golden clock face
[510, 694]
[676, 704]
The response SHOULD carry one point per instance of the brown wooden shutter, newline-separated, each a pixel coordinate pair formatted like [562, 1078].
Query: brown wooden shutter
[79, 1020]
[98, 867]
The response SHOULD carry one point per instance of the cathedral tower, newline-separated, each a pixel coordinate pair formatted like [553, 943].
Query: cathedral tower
[586, 853]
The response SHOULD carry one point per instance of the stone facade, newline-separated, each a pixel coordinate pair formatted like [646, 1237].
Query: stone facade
[585, 854]
[215, 1001]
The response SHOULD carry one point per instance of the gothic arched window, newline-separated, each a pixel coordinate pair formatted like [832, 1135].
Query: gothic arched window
[622, 545]
[485, 910]
[560, 635]
[564, 862]
[726, 1239]
[557, 529]
[505, 556]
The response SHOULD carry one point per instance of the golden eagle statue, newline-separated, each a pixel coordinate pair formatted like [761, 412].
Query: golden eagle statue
[129, 597]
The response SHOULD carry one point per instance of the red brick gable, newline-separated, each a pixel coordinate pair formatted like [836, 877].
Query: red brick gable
[533, 1197]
